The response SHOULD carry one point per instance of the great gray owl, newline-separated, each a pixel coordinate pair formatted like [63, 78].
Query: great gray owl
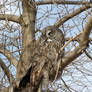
[44, 58]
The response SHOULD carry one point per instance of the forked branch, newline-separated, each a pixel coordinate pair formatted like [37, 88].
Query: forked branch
[6, 71]
[10, 17]
[82, 45]
[62, 2]
[9, 56]
[71, 15]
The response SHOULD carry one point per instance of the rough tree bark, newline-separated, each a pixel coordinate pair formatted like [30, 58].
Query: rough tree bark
[28, 30]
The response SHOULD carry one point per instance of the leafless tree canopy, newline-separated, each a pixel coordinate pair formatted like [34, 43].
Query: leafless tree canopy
[22, 23]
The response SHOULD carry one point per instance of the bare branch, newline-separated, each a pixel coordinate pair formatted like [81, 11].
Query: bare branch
[70, 40]
[75, 39]
[9, 56]
[6, 70]
[66, 85]
[88, 55]
[86, 31]
[71, 15]
[62, 2]
[82, 45]
[10, 17]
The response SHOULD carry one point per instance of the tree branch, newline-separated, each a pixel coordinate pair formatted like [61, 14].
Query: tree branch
[9, 55]
[10, 17]
[62, 2]
[87, 54]
[28, 35]
[71, 15]
[76, 39]
[7, 72]
[82, 45]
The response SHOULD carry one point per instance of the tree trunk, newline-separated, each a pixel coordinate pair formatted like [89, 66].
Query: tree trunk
[28, 35]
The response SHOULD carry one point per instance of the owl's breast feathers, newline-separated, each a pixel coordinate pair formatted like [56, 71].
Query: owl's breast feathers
[46, 57]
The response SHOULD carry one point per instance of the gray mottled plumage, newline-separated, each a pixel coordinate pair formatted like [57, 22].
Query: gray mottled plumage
[45, 54]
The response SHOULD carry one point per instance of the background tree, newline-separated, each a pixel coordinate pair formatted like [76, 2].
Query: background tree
[21, 22]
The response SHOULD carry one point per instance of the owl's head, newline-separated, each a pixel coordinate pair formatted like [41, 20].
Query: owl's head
[51, 34]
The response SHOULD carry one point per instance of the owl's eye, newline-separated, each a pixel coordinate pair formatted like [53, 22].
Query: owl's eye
[50, 33]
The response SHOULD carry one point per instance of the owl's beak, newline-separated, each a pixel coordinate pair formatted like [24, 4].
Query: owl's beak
[49, 40]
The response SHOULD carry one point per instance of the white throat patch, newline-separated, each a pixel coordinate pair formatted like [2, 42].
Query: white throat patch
[49, 40]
